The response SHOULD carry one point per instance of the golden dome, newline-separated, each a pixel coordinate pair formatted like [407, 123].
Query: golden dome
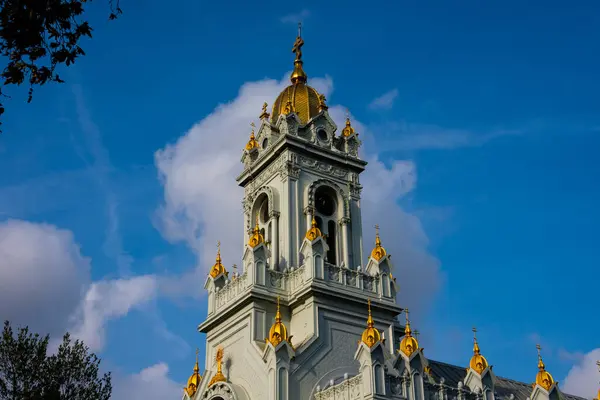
[298, 97]
[409, 344]
[348, 129]
[278, 332]
[256, 237]
[194, 380]
[218, 268]
[219, 377]
[371, 335]
[543, 377]
[252, 143]
[378, 251]
[478, 362]
[314, 232]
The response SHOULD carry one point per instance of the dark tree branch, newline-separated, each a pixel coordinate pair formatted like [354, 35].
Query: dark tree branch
[36, 36]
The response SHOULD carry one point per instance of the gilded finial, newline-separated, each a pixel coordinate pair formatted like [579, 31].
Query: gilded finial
[409, 344]
[298, 76]
[478, 362]
[371, 335]
[278, 332]
[264, 114]
[219, 377]
[252, 143]
[256, 237]
[194, 379]
[322, 103]
[378, 251]
[314, 231]
[218, 268]
[543, 377]
[348, 129]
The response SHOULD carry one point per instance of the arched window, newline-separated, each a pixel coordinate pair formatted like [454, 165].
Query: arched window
[326, 215]
[261, 207]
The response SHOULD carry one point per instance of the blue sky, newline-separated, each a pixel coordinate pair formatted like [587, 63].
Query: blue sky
[496, 107]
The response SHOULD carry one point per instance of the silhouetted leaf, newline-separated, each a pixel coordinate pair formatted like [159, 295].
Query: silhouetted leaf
[37, 36]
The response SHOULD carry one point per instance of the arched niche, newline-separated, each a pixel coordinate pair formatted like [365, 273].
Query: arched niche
[326, 200]
[264, 204]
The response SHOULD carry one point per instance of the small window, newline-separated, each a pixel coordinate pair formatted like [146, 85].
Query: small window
[265, 143]
[322, 135]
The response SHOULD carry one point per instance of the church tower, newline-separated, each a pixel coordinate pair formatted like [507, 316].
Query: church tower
[291, 324]
[286, 327]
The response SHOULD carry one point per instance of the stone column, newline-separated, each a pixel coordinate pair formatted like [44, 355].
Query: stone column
[275, 240]
[310, 213]
[346, 242]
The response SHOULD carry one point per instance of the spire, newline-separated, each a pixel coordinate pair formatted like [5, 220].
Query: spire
[314, 232]
[256, 237]
[543, 377]
[219, 377]
[370, 335]
[478, 362]
[378, 251]
[194, 380]
[298, 76]
[252, 143]
[218, 268]
[278, 332]
[409, 344]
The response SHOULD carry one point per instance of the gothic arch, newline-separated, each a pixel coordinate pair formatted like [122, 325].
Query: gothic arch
[253, 205]
[342, 204]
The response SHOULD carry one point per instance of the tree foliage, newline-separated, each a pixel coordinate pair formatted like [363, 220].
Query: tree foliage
[36, 36]
[28, 373]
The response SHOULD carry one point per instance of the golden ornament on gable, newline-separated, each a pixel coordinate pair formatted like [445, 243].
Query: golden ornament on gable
[218, 268]
[278, 332]
[543, 377]
[409, 344]
[478, 362]
[219, 377]
[252, 143]
[194, 380]
[371, 335]
[348, 129]
[314, 231]
[256, 237]
[378, 251]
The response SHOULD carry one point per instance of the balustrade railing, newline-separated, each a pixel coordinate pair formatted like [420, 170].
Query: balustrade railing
[293, 279]
[348, 389]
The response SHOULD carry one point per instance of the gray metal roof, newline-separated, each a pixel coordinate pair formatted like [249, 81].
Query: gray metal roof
[453, 374]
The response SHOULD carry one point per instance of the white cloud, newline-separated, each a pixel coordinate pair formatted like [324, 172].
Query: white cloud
[107, 300]
[45, 284]
[42, 275]
[412, 136]
[202, 202]
[149, 384]
[582, 379]
[296, 17]
[385, 101]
